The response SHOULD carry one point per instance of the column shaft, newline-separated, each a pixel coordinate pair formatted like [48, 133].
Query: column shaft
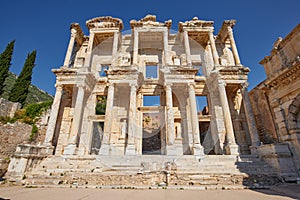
[132, 115]
[53, 116]
[250, 119]
[135, 47]
[89, 51]
[115, 44]
[187, 48]
[213, 48]
[195, 122]
[170, 116]
[70, 48]
[166, 47]
[77, 116]
[108, 114]
[226, 113]
[233, 47]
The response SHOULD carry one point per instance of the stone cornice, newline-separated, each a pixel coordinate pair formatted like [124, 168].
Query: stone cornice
[105, 22]
[286, 77]
[150, 21]
[195, 23]
[223, 33]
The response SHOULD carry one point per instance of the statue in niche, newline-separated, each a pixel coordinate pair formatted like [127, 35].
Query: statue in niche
[123, 128]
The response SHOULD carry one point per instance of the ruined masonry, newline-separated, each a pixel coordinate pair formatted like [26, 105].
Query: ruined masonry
[149, 107]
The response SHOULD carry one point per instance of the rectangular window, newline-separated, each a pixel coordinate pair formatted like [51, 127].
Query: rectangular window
[151, 101]
[200, 70]
[100, 105]
[151, 71]
[202, 108]
[102, 72]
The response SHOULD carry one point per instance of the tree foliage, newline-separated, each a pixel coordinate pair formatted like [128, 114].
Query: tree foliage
[5, 63]
[20, 89]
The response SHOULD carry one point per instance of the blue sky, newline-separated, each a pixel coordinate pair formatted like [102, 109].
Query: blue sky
[44, 25]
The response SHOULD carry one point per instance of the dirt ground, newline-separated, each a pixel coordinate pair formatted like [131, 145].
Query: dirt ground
[277, 192]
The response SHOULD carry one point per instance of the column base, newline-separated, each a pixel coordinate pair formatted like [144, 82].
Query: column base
[174, 150]
[104, 150]
[198, 150]
[71, 149]
[232, 149]
[130, 150]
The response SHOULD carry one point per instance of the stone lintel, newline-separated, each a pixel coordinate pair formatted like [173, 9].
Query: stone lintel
[104, 23]
[149, 21]
[223, 33]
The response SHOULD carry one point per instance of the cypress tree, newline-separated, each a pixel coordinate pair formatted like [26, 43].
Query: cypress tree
[5, 63]
[20, 89]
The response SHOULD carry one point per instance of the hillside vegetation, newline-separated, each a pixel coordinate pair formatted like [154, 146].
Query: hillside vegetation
[35, 94]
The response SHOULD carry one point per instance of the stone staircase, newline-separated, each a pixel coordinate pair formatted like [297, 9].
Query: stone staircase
[209, 171]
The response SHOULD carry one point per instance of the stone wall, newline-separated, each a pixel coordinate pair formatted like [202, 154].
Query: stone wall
[8, 108]
[11, 135]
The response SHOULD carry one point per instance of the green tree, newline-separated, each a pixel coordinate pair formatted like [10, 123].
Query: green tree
[20, 89]
[5, 63]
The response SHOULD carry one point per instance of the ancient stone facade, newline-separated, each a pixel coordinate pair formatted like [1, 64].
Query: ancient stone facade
[127, 111]
[276, 101]
[151, 61]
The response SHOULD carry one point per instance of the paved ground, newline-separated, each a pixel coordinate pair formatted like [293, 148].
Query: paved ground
[16, 193]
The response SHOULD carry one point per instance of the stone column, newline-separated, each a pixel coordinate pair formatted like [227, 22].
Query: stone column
[53, 116]
[166, 47]
[135, 47]
[187, 48]
[70, 48]
[233, 47]
[170, 116]
[231, 147]
[255, 142]
[197, 148]
[130, 149]
[76, 125]
[105, 144]
[115, 44]
[213, 48]
[87, 61]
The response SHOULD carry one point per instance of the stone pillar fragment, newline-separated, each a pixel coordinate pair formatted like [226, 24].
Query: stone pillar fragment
[70, 48]
[130, 149]
[250, 121]
[53, 116]
[231, 147]
[105, 145]
[213, 48]
[197, 148]
[233, 47]
[187, 48]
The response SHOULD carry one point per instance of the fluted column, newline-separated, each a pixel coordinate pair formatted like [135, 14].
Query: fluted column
[53, 116]
[89, 51]
[187, 48]
[170, 116]
[213, 48]
[166, 47]
[135, 47]
[115, 43]
[250, 121]
[130, 149]
[70, 48]
[197, 148]
[105, 144]
[233, 47]
[231, 147]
